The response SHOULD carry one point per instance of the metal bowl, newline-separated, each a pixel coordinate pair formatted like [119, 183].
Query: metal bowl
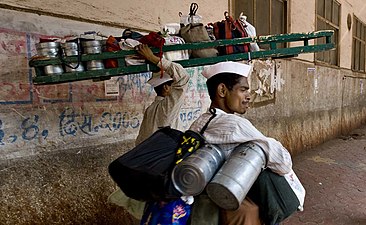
[80, 68]
[51, 52]
[70, 45]
[93, 50]
[47, 45]
[53, 70]
[94, 65]
[93, 43]
[70, 52]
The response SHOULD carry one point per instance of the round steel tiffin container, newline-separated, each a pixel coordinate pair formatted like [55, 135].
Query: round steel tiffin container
[92, 47]
[70, 49]
[95, 65]
[51, 52]
[70, 45]
[50, 44]
[53, 70]
[232, 182]
[93, 50]
[191, 176]
[74, 67]
[91, 43]
[49, 49]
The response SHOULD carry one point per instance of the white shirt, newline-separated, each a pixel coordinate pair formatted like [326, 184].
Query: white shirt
[164, 111]
[230, 130]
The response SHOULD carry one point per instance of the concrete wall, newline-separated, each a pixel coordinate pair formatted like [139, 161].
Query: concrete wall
[138, 14]
[56, 141]
[311, 104]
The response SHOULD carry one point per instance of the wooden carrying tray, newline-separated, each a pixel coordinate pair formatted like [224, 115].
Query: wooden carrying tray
[323, 43]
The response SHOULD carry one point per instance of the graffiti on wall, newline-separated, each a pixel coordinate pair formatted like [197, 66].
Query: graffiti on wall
[72, 123]
[189, 114]
[16, 88]
[18, 47]
[29, 129]
[134, 95]
[32, 128]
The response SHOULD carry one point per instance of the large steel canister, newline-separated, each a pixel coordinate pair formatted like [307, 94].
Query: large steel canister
[192, 174]
[53, 70]
[232, 182]
[95, 65]
[74, 67]
[92, 46]
[72, 49]
[48, 49]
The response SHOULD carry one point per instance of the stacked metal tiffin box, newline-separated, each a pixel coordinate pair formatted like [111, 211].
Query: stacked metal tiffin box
[50, 50]
[56, 48]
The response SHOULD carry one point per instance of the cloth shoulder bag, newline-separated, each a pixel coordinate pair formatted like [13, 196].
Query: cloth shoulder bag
[274, 196]
[230, 29]
[195, 31]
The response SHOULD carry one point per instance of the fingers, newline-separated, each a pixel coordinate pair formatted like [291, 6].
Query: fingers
[141, 47]
[145, 51]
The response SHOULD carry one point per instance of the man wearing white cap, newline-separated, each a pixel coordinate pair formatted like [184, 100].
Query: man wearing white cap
[164, 111]
[169, 88]
[228, 87]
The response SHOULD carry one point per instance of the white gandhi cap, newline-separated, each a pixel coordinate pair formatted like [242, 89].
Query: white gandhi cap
[227, 67]
[156, 79]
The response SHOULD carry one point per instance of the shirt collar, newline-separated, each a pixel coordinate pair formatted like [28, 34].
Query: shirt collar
[218, 111]
[159, 98]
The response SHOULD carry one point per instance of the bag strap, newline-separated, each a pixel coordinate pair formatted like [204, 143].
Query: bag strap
[191, 141]
[229, 19]
[66, 63]
[242, 28]
[193, 9]
[213, 112]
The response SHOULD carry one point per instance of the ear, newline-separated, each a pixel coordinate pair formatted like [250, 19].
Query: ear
[165, 87]
[221, 90]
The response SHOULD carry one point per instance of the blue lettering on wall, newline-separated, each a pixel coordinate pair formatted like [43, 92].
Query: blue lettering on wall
[68, 125]
[29, 130]
[69, 122]
[133, 81]
[44, 134]
[12, 138]
[2, 134]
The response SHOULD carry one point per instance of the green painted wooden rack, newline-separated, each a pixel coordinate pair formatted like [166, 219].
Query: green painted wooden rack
[324, 43]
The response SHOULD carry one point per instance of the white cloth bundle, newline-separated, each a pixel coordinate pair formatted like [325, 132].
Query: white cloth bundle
[250, 29]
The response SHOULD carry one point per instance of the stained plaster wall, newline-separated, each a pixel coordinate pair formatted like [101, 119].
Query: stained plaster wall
[311, 104]
[138, 14]
[57, 140]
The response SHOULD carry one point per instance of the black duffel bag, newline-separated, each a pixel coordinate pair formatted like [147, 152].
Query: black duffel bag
[144, 173]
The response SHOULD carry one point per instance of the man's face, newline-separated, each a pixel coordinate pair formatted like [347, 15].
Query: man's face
[237, 99]
[168, 89]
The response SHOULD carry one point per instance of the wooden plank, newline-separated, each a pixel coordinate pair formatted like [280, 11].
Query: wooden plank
[192, 46]
[123, 69]
[274, 53]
